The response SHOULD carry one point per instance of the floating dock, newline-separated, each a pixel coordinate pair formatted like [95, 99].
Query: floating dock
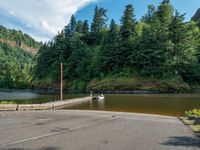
[45, 106]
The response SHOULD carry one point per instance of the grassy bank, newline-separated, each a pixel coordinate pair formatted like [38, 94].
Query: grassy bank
[140, 83]
[116, 83]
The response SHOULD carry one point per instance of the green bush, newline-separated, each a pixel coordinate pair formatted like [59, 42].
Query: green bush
[195, 112]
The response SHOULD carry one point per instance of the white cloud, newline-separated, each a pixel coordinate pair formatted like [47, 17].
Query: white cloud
[43, 17]
[12, 13]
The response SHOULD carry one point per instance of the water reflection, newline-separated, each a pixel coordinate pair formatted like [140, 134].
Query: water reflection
[164, 104]
[27, 97]
[93, 105]
[101, 104]
[17, 95]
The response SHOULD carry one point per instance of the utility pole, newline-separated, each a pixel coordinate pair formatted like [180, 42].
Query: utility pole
[61, 76]
[61, 81]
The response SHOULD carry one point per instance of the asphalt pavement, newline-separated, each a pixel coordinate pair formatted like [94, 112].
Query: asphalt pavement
[93, 130]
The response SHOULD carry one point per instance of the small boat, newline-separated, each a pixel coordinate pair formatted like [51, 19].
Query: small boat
[101, 97]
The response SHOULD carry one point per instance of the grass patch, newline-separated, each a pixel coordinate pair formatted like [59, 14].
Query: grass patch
[7, 102]
[138, 83]
[195, 112]
[186, 121]
[195, 128]
[190, 123]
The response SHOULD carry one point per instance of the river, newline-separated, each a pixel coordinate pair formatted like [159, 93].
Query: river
[162, 104]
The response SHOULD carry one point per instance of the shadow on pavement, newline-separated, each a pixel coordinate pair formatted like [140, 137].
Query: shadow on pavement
[44, 148]
[183, 141]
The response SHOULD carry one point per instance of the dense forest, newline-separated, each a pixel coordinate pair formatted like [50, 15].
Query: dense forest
[15, 67]
[16, 59]
[159, 52]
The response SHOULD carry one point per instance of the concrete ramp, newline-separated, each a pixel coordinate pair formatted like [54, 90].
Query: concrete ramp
[92, 130]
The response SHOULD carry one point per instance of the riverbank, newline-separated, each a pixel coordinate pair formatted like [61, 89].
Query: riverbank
[77, 130]
[143, 85]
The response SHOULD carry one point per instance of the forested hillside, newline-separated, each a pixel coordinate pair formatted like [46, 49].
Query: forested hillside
[159, 52]
[16, 58]
[18, 39]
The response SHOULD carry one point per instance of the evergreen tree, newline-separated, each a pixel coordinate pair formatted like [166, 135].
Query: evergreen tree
[73, 24]
[42, 56]
[152, 54]
[127, 30]
[150, 14]
[165, 13]
[128, 22]
[79, 27]
[76, 64]
[98, 24]
[99, 20]
[85, 27]
[183, 51]
[71, 27]
[198, 46]
[110, 50]
[86, 32]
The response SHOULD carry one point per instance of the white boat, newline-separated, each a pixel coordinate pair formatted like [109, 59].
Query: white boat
[101, 97]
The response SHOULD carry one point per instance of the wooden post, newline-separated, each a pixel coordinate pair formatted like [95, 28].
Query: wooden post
[61, 81]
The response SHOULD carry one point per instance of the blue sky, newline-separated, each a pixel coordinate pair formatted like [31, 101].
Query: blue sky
[43, 19]
[116, 7]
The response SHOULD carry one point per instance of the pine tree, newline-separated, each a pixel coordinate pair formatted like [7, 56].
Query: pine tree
[71, 27]
[110, 50]
[86, 37]
[127, 31]
[76, 64]
[128, 22]
[79, 27]
[98, 24]
[73, 24]
[85, 27]
[152, 55]
[99, 20]
[166, 2]
[183, 42]
[150, 14]
[165, 13]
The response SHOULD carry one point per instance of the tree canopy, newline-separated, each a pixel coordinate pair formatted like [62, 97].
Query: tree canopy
[160, 45]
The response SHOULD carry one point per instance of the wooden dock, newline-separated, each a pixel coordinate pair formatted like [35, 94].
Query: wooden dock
[45, 106]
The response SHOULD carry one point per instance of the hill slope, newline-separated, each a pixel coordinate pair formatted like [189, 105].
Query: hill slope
[16, 58]
[18, 39]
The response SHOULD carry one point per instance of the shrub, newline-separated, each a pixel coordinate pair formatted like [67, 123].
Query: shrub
[195, 112]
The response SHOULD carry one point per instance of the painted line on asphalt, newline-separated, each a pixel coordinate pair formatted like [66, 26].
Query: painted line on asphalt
[56, 133]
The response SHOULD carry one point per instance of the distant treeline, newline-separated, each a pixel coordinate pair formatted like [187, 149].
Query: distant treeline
[18, 37]
[159, 46]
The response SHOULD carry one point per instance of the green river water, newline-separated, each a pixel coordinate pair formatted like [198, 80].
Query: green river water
[163, 104]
